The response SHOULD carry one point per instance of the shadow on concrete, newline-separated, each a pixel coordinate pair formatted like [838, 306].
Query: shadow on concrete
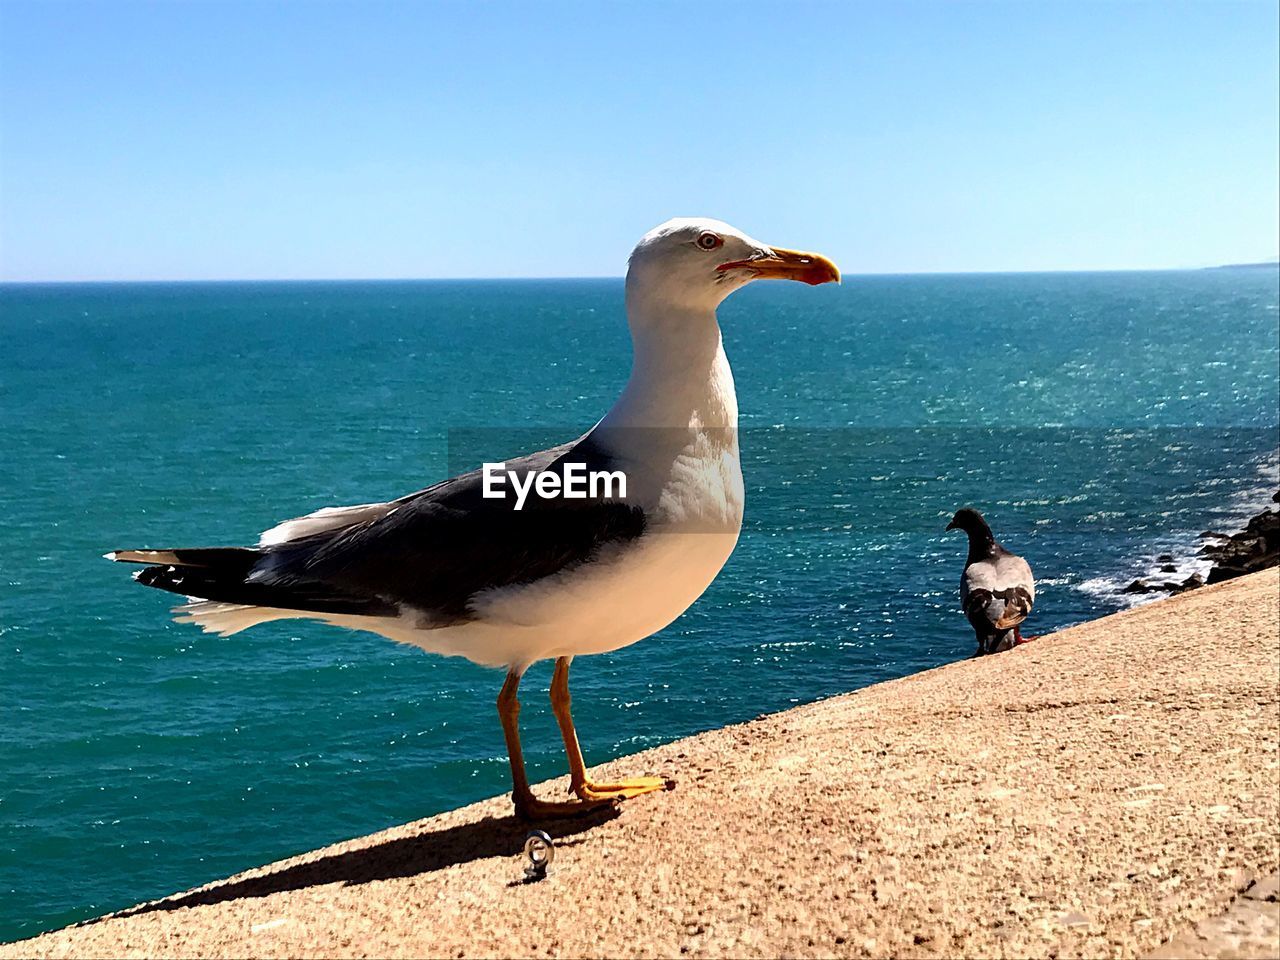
[403, 857]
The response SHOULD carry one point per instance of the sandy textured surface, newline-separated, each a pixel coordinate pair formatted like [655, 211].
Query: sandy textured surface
[1095, 793]
[1249, 928]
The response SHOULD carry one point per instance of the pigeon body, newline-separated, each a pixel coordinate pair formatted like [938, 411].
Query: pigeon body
[997, 588]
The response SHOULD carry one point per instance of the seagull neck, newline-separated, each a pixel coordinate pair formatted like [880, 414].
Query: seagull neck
[680, 376]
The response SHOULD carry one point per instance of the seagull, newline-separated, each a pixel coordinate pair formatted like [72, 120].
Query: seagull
[467, 567]
[997, 588]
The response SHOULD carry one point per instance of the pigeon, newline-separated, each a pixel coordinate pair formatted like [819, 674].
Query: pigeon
[997, 588]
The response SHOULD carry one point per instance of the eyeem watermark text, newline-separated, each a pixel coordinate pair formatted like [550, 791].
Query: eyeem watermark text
[575, 483]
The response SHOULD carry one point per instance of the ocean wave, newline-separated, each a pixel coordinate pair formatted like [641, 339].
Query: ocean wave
[1181, 550]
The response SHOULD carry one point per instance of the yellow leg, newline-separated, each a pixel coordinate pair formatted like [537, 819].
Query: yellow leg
[528, 806]
[578, 781]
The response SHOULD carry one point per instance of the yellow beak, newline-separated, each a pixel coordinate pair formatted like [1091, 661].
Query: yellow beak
[811, 268]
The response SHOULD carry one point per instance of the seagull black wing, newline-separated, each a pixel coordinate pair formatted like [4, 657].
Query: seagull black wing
[432, 551]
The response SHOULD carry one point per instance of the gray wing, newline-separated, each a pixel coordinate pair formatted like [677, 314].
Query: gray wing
[436, 549]
[432, 551]
[997, 594]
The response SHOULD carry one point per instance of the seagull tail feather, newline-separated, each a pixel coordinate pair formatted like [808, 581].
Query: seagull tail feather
[219, 557]
[225, 619]
[226, 575]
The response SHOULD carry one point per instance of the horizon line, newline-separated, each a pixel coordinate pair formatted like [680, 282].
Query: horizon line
[1259, 264]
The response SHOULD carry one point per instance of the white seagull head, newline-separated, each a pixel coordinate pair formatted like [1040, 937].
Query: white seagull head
[695, 262]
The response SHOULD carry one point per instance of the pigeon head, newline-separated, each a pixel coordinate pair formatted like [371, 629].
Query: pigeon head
[970, 521]
[694, 263]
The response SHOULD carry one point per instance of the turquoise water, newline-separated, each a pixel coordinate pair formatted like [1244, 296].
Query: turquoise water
[1098, 419]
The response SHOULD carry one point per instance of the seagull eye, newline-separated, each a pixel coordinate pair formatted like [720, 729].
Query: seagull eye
[709, 241]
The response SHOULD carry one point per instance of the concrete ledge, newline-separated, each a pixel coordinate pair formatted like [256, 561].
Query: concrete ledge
[1097, 792]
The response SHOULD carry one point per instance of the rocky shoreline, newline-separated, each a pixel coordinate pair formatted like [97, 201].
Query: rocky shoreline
[1254, 548]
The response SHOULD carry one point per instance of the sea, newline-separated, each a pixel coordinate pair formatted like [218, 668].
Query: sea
[1099, 420]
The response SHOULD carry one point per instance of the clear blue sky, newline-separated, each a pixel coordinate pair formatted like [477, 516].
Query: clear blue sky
[307, 139]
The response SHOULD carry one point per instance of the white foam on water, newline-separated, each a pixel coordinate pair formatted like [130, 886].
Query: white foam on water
[1239, 507]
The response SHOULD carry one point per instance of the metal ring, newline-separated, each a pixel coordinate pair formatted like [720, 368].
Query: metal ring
[540, 849]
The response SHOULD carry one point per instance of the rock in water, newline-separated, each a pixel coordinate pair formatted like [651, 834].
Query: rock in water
[1254, 548]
